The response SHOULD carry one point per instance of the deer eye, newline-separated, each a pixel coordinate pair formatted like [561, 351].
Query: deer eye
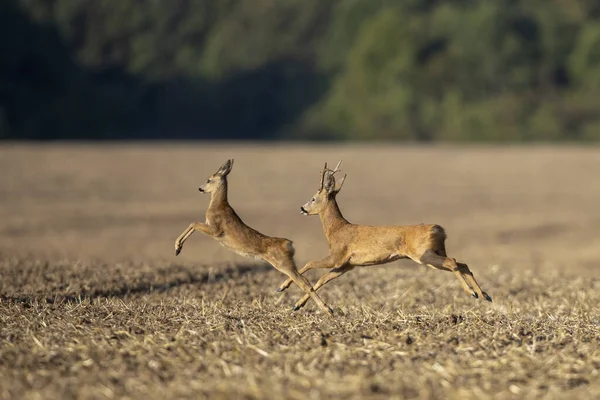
[313, 200]
[208, 181]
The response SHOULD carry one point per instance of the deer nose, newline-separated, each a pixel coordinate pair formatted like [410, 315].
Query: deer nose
[201, 190]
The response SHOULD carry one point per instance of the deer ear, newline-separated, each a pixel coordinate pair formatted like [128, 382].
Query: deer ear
[225, 168]
[328, 183]
[339, 187]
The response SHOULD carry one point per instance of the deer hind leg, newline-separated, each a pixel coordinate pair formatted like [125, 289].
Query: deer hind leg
[431, 259]
[328, 276]
[289, 268]
[468, 275]
[326, 262]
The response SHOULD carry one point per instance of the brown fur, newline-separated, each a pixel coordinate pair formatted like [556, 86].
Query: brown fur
[225, 226]
[353, 245]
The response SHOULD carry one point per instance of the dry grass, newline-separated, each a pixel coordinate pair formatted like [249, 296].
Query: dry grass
[94, 304]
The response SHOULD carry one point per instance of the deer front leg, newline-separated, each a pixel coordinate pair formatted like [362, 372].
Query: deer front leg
[327, 262]
[285, 263]
[328, 276]
[194, 226]
[310, 292]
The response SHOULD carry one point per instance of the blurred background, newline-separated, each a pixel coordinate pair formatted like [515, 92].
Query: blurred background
[411, 70]
[93, 301]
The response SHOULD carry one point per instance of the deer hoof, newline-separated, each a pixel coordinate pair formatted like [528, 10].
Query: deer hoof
[177, 251]
[296, 308]
[281, 289]
[474, 295]
[487, 297]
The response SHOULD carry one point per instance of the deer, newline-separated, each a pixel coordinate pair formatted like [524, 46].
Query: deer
[224, 225]
[352, 245]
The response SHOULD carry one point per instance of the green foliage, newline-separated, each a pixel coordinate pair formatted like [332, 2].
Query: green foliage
[416, 70]
[584, 61]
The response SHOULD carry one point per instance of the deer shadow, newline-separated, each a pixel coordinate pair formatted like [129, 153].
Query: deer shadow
[166, 279]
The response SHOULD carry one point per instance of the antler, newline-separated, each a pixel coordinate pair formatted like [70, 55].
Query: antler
[323, 177]
[339, 170]
[332, 172]
[337, 167]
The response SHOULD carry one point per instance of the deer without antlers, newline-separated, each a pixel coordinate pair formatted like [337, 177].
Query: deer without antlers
[225, 226]
[353, 245]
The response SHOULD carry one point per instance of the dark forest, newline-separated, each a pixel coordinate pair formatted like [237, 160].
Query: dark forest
[414, 70]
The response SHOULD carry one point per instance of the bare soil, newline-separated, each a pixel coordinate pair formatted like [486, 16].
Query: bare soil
[94, 304]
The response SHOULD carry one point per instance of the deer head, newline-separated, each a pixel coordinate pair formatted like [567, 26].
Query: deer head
[217, 179]
[327, 191]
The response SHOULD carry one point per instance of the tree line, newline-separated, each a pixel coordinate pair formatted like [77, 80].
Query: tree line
[411, 70]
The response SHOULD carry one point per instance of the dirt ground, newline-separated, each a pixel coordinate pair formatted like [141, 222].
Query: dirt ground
[94, 304]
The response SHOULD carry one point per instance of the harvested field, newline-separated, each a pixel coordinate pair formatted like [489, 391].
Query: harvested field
[94, 304]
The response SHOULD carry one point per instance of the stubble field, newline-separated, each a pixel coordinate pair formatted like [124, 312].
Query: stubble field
[94, 304]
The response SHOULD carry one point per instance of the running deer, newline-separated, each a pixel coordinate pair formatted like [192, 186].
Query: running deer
[225, 226]
[363, 245]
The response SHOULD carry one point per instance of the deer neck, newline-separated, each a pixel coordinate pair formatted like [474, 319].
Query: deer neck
[218, 198]
[332, 218]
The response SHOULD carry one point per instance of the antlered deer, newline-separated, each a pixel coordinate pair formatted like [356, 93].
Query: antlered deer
[353, 245]
[225, 226]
